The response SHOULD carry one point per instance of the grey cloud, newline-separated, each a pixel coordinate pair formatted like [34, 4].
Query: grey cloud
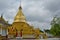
[41, 25]
[38, 12]
[52, 5]
[8, 8]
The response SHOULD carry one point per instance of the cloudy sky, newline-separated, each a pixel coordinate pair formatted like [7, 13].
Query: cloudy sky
[39, 13]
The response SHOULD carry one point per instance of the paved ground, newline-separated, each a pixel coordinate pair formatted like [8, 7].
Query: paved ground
[24, 39]
[38, 39]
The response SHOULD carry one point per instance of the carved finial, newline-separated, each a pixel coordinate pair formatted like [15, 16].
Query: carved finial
[20, 2]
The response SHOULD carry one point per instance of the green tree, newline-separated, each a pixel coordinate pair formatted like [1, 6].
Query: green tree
[55, 27]
[55, 30]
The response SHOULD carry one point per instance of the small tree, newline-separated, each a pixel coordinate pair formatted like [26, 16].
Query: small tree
[55, 27]
[55, 30]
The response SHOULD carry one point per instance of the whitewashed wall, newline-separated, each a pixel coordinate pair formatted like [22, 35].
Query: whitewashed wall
[4, 32]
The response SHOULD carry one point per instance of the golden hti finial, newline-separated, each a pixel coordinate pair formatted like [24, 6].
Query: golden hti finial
[20, 5]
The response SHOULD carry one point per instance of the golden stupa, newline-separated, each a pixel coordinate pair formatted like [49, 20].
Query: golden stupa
[21, 27]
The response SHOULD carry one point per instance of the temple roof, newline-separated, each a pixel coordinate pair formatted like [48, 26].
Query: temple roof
[3, 21]
[1, 18]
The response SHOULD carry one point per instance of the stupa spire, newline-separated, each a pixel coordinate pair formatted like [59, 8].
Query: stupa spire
[20, 16]
[20, 5]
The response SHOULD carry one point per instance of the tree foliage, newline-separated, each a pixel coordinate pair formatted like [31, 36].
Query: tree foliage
[47, 31]
[55, 28]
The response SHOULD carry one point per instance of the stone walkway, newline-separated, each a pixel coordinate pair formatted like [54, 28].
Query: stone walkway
[38, 39]
[24, 39]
